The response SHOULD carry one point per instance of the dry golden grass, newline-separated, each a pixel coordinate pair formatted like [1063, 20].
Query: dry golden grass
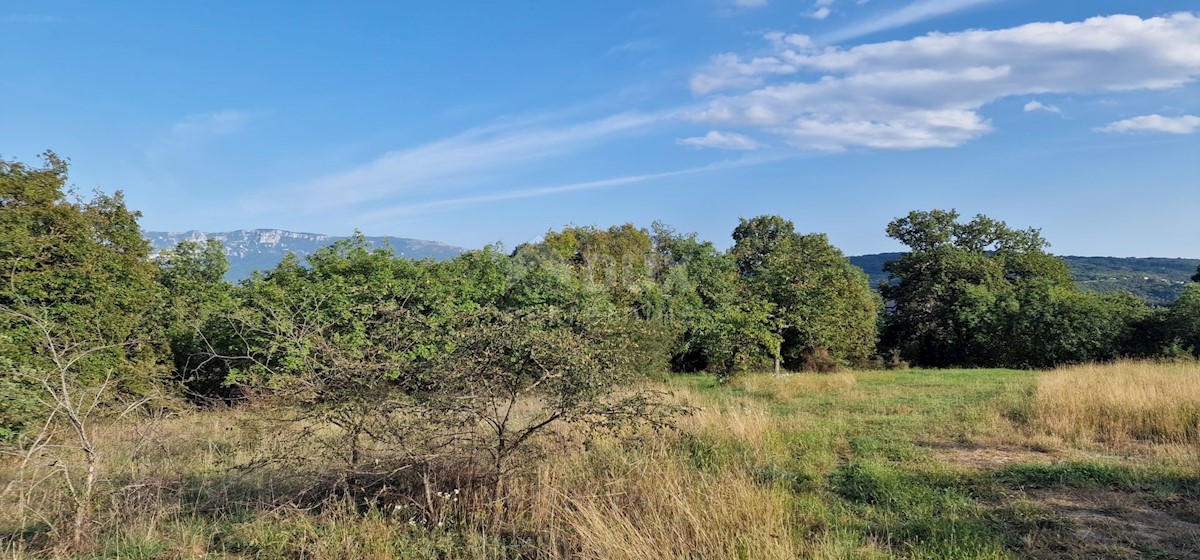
[735, 421]
[654, 505]
[614, 501]
[787, 387]
[1122, 402]
[753, 472]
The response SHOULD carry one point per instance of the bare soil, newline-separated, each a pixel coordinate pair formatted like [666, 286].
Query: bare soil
[989, 457]
[1096, 523]
[1110, 524]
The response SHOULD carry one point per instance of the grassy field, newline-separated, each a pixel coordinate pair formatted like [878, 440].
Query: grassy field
[1087, 462]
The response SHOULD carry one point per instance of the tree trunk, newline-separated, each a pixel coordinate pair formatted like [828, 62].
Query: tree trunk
[779, 350]
[85, 500]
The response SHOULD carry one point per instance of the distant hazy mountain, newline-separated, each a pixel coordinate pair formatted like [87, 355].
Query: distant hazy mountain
[261, 249]
[1157, 280]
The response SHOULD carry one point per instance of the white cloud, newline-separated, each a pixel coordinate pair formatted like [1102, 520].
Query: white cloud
[1036, 105]
[789, 41]
[917, 11]
[821, 9]
[193, 132]
[1185, 124]
[721, 140]
[466, 158]
[727, 70]
[928, 91]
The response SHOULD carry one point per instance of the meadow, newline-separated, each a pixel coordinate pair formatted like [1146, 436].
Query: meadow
[1082, 462]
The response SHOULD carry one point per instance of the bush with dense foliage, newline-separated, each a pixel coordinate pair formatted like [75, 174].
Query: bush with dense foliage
[82, 269]
[985, 295]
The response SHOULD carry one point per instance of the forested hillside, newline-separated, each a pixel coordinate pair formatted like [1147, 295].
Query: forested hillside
[1158, 281]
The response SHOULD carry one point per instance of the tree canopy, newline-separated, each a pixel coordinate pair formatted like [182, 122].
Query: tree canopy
[821, 305]
[81, 269]
[980, 293]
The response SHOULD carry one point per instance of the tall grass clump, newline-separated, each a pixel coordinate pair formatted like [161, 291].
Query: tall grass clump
[1122, 402]
[654, 505]
[788, 387]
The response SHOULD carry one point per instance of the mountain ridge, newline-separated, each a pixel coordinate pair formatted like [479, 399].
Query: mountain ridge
[261, 249]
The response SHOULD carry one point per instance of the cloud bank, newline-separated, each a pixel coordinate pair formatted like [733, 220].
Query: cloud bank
[927, 92]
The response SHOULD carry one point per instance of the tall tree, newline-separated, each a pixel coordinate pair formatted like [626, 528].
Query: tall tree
[81, 266]
[823, 306]
[721, 327]
[1039, 324]
[617, 258]
[1183, 322]
[981, 293]
[198, 298]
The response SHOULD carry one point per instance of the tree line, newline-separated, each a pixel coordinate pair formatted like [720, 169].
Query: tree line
[571, 318]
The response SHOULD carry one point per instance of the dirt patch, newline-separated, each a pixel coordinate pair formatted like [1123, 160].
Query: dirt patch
[990, 456]
[1112, 524]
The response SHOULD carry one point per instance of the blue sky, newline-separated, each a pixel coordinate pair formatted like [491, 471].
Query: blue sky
[483, 121]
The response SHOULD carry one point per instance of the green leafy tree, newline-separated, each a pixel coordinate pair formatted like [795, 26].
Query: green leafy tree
[1040, 324]
[540, 277]
[198, 301]
[617, 258]
[363, 342]
[980, 293]
[475, 278]
[515, 374]
[81, 266]
[613, 265]
[823, 309]
[721, 327]
[1182, 323]
[343, 339]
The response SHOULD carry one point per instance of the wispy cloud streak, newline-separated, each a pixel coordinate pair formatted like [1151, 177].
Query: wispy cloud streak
[1183, 124]
[536, 192]
[450, 162]
[918, 11]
